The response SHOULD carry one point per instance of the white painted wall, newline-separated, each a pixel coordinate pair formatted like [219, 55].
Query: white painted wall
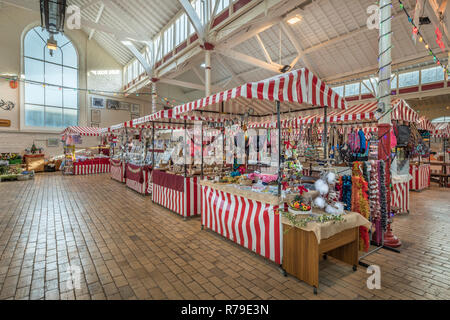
[13, 23]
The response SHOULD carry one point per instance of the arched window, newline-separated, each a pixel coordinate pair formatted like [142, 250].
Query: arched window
[51, 86]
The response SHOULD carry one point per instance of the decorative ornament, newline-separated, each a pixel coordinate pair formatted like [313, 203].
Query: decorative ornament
[13, 84]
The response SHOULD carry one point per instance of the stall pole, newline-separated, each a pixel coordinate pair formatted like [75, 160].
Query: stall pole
[153, 146]
[279, 148]
[325, 132]
[185, 150]
[202, 152]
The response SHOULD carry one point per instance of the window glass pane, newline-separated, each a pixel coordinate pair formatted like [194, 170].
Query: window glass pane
[53, 96]
[34, 93]
[70, 118]
[364, 89]
[408, 79]
[70, 98]
[55, 58]
[352, 89]
[46, 105]
[53, 117]
[70, 57]
[61, 39]
[34, 70]
[34, 116]
[432, 75]
[42, 33]
[223, 5]
[70, 77]
[53, 74]
[394, 83]
[34, 45]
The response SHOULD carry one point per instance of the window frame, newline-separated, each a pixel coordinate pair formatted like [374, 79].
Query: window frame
[22, 113]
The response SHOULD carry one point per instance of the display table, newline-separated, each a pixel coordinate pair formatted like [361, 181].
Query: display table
[440, 170]
[421, 176]
[245, 217]
[93, 166]
[35, 162]
[177, 193]
[118, 170]
[400, 193]
[303, 247]
[137, 177]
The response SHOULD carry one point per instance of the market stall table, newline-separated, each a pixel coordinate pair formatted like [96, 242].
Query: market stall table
[420, 176]
[118, 170]
[245, 217]
[137, 177]
[440, 170]
[177, 193]
[92, 166]
[303, 246]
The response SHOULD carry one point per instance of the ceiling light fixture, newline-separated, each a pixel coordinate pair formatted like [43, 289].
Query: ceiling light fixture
[294, 19]
[52, 44]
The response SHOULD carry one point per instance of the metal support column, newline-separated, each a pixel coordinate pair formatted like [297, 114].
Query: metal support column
[279, 148]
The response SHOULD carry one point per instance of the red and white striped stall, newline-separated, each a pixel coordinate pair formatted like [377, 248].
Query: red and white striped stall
[252, 224]
[441, 130]
[400, 193]
[421, 176]
[137, 177]
[177, 193]
[94, 166]
[83, 131]
[118, 170]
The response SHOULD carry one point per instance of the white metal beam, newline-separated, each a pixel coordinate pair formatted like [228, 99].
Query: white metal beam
[264, 50]
[294, 40]
[97, 19]
[213, 14]
[139, 57]
[183, 84]
[275, 67]
[199, 75]
[193, 17]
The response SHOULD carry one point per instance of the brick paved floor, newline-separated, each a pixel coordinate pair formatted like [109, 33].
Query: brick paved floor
[128, 248]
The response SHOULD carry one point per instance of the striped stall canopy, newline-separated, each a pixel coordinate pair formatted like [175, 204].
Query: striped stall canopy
[403, 112]
[299, 86]
[359, 112]
[83, 131]
[295, 90]
[425, 124]
[442, 130]
[170, 114]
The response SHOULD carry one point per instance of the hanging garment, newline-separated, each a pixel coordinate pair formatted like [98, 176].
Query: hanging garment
[362, 141]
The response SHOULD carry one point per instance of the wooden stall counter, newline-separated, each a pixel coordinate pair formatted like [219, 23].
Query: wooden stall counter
[304, 246]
